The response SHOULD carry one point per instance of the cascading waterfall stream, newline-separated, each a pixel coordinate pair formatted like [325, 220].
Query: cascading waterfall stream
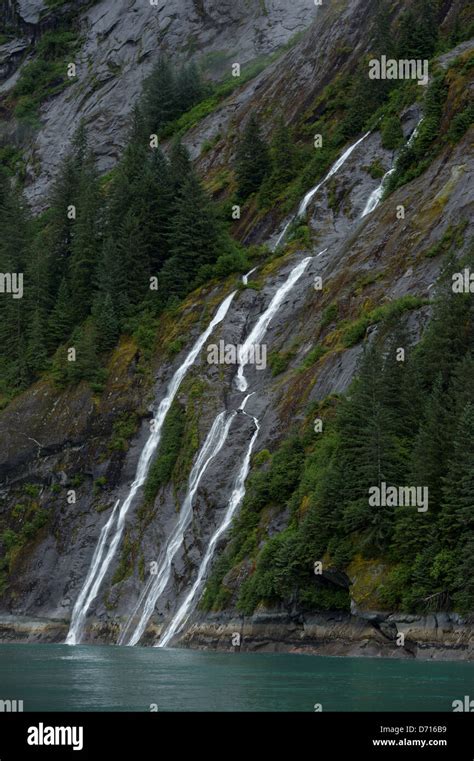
[114, 527]
[264, 320]
[376, 196]
[213, 444]
[311, 193]
[245, 278]
[184, 611]
[187, 606]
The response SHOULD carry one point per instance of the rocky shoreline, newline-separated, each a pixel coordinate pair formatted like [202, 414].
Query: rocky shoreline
[442, 636]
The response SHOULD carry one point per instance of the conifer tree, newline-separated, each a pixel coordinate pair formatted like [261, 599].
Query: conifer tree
[194, 237]
[61, 319]
[159, 101]
[85, 243]
[180, 165]
[252, 159]
[392, 133]
[189, 87]
[283, 155]
[457, 521]
[106, 323]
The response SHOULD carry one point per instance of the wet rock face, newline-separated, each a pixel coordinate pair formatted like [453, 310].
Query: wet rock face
[122, 40]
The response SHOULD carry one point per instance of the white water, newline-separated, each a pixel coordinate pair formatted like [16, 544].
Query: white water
[335, 168]
[311, 193]
[102, 559]
[213, 444]
[376, 196]
[264, 320]
[238, 493]
[245, 278]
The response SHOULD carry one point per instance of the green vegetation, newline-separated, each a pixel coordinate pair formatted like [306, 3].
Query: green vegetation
[313, 357]
[46, 75]
[122, 432]
[446, 118]
[403, 422]
[91, 260]
[252, 160]
[452, 238]
[168, 452]
[279, 361]
[356, 331]
[20, 528]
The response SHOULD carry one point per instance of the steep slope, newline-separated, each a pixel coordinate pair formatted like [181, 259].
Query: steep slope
[115, 46]
[78, 441]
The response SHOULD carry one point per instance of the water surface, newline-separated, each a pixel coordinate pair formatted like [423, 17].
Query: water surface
[102, 678]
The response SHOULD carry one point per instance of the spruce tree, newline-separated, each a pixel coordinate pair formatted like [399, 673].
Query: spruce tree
[160, 96]
[85, 244]
[283, 155]
[194, 238]
[252, 162]
[189, 87]
[457, 521]
[180, 165]
[392, 133]
[61, 319]
[106, 323]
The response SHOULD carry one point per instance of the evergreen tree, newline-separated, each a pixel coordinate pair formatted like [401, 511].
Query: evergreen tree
[367, 454]
[418, 32]
[61, 319]
[392, 133]
[194, 238]
[252, 160]
[85, 244]
[180, 165]
[189, 87]
[457, 521]
[160, 96]
[14, 252]
[36, 352]
[283, 155]
[106, 323]
[111, 280]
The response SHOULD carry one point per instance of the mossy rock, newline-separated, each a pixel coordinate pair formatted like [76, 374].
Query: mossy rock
[367, 577]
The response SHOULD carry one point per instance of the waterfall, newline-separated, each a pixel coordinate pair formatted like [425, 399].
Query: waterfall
[261, 326]
[335, 168]
[212, 446]
[156, 584]
[311, 193]
[376, 196]
[245, 278]
[103, 557]
[238, 493]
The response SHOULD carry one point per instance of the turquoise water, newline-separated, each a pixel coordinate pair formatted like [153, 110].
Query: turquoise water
[62, 678]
